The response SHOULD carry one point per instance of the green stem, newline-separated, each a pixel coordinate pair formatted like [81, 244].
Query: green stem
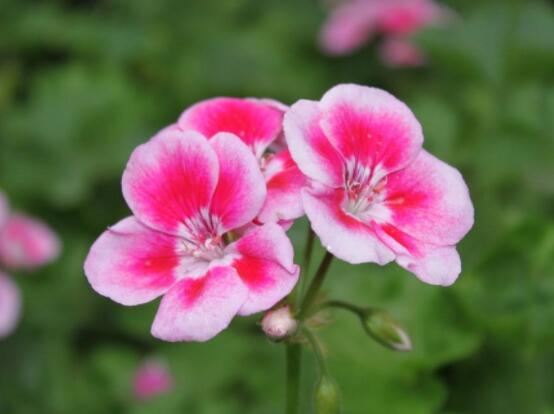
[314, 287]
[320, 359]
[294, 354]
[341, 305]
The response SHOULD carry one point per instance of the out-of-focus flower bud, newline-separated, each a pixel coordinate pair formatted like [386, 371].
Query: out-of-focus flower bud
[327, 398]
[151, 379]
[279, 324]
[385, 330]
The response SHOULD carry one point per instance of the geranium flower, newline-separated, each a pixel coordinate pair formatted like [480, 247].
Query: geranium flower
[27, 243]
[258, 123]
[354, 22]
[151, 379]
[187, 195]
[10, 305]
[377, 196]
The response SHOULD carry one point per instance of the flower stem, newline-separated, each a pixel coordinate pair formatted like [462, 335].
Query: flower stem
[314, 287]
[308, 250]
[294, 353]
[320, 359]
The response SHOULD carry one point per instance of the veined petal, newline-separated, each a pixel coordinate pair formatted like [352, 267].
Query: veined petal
[199, 309]
[309, 147]
[284, 181]
[170, 180]
[436, 265]
[241, 189]
[265, 265]
[10, 305]
[430, 201]
[343, 235]
[27, 243]
[132, 264]
[255, 122]
[371, 127]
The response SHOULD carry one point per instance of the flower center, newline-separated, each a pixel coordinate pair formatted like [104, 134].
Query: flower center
[364, 189]
[201, 238]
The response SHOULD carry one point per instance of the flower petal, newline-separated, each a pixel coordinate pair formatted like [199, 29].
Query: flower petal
[349, 26]
[371, 127]
[255, 122]
[400, 52]
[430, 201]
[10, 305]
[265, 265]
[309, 147]
[241, 189]
[341, 234]
[436, 265]
[132, 264]
[170, 179]
[284, 181]
[199, 309]
[27, 243]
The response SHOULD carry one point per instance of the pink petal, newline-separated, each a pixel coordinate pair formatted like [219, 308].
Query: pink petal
[199, 309]
[430, 201]
[401, 52]
[309, 147]
[27, 243]
[408, 16]
[284, 182]
[255, 122]
[132, 264]
[151, 379]
[371, 127]
[241, 189]
[10, 305]
[170, 180]
[348, 27]
[436, 265]
[342, 234]
[265, 265]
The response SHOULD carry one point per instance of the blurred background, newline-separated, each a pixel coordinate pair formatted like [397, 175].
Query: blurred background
[83, 82]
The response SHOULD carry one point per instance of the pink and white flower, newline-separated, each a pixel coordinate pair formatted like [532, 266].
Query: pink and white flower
[25, 242]
[151, 379]
[188, 194]
[258, 123]
[10, 305]
[354, 22]
[377, 196]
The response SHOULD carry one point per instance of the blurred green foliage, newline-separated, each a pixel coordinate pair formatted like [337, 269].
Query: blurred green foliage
[83, 82]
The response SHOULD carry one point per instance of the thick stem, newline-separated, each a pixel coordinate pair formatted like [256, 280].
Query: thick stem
[294, 353]
[314, 287]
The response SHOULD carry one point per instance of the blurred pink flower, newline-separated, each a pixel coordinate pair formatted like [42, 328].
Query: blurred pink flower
[353, 22]
[377, 196]
[27, 243]
[258, 123]
[396, 51]
[151, 379]
[187, 193]
[10, 305]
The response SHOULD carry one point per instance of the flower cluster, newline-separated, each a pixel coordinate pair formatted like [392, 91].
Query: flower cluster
[25, 243]
[212, 195]
[354, 22]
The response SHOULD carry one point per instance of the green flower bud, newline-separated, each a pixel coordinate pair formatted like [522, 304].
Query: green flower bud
[385, 330]
[327, 399]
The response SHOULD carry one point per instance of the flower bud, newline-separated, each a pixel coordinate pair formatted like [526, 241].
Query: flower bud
[279, 324]
[385, 330]
[327, 399]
